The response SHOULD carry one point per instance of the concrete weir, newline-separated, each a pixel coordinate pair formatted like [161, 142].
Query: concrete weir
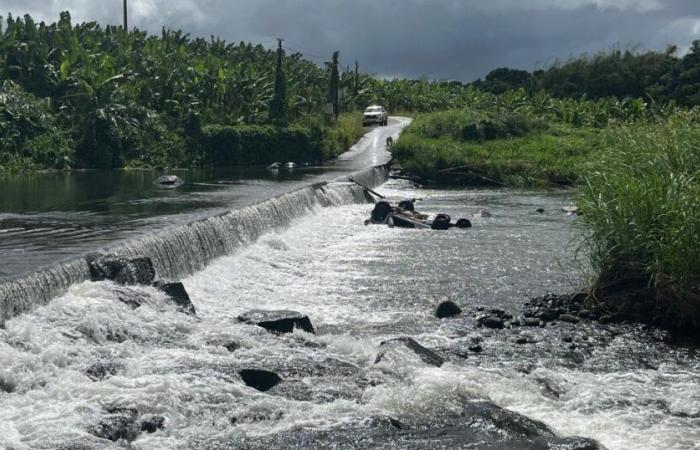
[184, 249]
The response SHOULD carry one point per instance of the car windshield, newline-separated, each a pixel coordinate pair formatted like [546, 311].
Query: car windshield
[374, 109]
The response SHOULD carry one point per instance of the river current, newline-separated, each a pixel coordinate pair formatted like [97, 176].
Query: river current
[624, 386]
[360, 285]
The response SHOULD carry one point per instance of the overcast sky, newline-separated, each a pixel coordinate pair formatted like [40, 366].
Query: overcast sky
[442, 39]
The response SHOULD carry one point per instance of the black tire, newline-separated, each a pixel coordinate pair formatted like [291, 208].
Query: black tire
[380, 211]
[407, 205]
[464, 223]
[441, 222]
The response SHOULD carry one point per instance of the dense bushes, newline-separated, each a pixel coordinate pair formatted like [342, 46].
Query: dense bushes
[257, 144]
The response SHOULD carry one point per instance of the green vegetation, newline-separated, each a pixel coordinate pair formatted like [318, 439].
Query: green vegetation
[515, 138]
[653, 76]
[87, 96]
[641, 202]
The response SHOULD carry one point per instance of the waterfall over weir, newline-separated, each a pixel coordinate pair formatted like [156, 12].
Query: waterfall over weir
[184, 249]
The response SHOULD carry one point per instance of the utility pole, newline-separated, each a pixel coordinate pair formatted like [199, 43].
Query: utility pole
[357, 79]
[335, 80]
[278, 104]
[126, 17]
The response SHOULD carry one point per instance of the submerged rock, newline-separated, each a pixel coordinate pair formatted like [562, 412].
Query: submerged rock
[278, 321]
[120, 423]
[447, 309]
[401, 345]
[178, 294]
[480, 424]
[152, 424]
[169, 181]
[101, 370]
[123, 270]
[262, 380]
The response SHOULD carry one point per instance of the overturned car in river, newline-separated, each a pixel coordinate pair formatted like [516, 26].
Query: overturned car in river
[405, 216]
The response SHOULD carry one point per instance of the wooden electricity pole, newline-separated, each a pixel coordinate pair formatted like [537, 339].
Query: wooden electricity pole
[126, 17]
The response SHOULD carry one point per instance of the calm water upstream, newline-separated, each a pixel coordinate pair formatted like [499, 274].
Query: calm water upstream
[48, 217]
[360, 285]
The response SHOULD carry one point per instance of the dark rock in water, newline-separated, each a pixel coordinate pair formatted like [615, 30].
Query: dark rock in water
[262, 380]
[480, 425]
[510, 422]
[547, 314]
[476, 348]
[178, 294]
[120, 423]
[401, 344]
[232, 346]
[101, 370]
[278, 321]
[540, 210]
[152, 424]
[169, 181]
[7, 385]
[568, 318]
[491, 322]
[531, 322]
[447, 309]
[138, 270]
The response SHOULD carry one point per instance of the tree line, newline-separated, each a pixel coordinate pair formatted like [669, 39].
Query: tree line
[84, 95]
[659, 76]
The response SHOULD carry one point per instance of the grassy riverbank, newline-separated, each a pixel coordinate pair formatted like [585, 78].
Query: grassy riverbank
[638, 191]
[471, 148]
[640, 197]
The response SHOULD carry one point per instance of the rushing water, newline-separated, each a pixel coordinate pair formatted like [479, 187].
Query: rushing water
[360, 285]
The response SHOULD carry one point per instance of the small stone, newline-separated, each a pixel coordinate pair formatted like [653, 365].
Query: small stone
[232, 346]
[447, 309]
[568, 318]
[531, 322]
[492, 322]
[567, 338]
[514, 323]
[522, 340]
[547, 314]
[476, 348]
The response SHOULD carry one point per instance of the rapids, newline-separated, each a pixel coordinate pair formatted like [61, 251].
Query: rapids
[360, 285]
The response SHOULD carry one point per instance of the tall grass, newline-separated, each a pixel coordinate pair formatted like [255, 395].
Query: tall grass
[641, 203]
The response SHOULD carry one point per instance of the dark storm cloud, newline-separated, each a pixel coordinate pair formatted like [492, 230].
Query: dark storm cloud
[446, 39]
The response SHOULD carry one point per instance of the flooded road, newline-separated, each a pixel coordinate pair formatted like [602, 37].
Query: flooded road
[360, 286]
[50, 217]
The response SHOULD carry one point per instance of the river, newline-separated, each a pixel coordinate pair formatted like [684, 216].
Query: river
[624, 386]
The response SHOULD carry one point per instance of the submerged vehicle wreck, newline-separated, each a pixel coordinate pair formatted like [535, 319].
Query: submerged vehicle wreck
[405, 216]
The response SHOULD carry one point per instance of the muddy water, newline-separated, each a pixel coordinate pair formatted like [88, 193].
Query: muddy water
[360, 285]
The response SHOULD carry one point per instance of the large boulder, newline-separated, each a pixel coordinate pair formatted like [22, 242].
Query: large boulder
[178, 294]
[401, 347]
[262, 380]
[280, 321]
[447, 309]
[120, 269]
[479, 425]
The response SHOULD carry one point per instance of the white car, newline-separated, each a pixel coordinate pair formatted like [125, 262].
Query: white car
[375, 114]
